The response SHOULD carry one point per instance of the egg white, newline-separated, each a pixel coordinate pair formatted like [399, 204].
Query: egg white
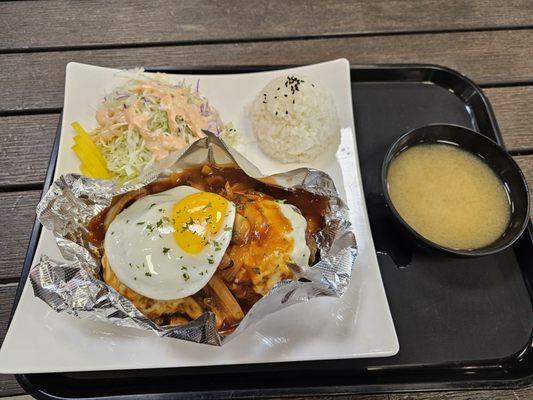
[300, 252]
[136, 248]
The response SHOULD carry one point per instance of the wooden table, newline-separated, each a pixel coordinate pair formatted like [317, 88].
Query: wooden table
[489, 41]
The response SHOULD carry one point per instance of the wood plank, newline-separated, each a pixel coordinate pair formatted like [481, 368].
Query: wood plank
[516, 394]
[64, 23]
[15, 235]
[36, 80]
[25, 146]
[8, 384]
[18, 397]
[513, 107]
[26, 141]
[24, 203]
[17, 214]
[526, 165]
[7, 294]
[18, 224]
[345, 397]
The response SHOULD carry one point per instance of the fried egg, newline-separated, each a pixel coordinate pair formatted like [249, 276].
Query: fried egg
[168, 245]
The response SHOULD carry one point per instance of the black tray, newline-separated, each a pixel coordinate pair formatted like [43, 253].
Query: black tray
[461, 323]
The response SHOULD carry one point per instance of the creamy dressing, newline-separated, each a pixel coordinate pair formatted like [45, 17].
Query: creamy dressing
[174, 102]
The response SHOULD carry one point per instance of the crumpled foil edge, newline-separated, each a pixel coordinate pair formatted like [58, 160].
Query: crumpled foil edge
[73, 286]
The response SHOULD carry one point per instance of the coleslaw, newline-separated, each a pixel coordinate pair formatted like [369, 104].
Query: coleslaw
[148, 118]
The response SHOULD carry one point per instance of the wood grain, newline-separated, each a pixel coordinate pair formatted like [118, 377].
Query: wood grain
[7, 294]
[25, 146]
[488, 40]
[345, 397]
[17, 214]
[513, 107]
[517, 394]
[32, 81]
[18, 397]
[105, 23]
[526, 165]
[26, 141]
[8, 384]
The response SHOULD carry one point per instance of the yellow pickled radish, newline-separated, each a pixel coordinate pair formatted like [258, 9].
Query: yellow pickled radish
[85, 171]
[89, 166]
[86, 139]
[93, 163]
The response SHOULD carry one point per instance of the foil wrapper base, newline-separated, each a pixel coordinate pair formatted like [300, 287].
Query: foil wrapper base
[74, 286]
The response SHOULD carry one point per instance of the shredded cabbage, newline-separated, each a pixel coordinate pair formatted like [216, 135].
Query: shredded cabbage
[149, 117]
[127, 156]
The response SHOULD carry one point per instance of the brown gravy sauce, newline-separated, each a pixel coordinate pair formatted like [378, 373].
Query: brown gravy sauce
[313, 207]
[215, 178]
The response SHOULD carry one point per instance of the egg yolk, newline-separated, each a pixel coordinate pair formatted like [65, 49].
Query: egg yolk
[196, 217]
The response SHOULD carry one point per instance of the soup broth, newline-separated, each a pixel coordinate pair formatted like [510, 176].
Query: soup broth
[449, 196]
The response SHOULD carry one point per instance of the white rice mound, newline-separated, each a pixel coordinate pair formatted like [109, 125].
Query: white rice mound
[294, 119]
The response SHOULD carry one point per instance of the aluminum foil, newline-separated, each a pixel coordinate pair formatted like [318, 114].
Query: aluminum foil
[73, 286]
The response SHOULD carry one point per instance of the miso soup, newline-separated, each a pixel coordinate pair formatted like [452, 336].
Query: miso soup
[449, 196]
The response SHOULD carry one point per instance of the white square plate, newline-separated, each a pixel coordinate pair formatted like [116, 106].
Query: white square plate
[357, 325]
